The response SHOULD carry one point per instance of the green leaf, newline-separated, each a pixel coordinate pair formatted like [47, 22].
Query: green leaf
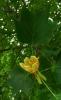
[21, 80]
[34, 27]
[23, 26]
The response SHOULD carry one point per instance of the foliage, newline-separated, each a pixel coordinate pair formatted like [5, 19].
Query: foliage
[30, 27]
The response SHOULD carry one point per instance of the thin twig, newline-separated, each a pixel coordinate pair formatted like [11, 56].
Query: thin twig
[45, 69]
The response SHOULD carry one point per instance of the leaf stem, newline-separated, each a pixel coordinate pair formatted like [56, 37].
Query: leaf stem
[41, 79]
[49, 89]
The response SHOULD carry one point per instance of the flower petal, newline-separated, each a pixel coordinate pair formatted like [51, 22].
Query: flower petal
[26, 67]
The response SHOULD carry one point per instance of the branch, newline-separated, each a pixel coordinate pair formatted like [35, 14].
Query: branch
[2, 50]
[11, 48]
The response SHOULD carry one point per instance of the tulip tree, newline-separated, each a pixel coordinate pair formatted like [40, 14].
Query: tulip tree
[30, 50]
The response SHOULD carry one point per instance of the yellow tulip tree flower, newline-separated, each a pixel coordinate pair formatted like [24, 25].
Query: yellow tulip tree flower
[31, 65]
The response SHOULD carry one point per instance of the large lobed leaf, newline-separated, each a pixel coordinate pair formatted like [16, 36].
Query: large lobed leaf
[21, 80]
[34, 27]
